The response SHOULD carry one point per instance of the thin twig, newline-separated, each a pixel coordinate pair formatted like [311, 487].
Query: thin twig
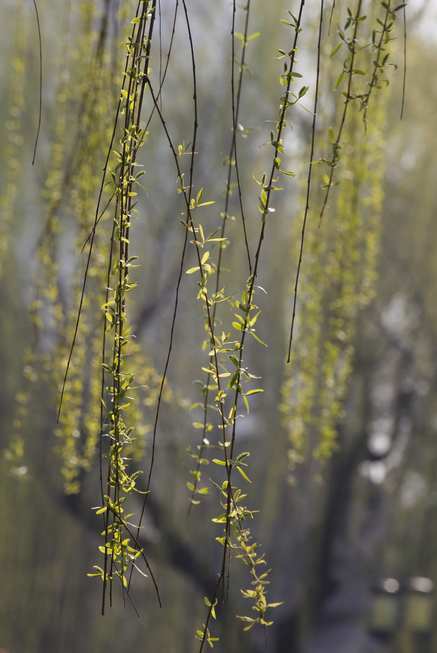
[233, 152]
[40, 81]
[404, 80]
[250, 292]
[346, 105]
[308, 192]
[330, 17]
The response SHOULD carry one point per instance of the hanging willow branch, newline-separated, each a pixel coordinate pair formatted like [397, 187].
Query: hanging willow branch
[99, 371]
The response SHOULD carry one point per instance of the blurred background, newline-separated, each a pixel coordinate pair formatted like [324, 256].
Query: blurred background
[351, 539]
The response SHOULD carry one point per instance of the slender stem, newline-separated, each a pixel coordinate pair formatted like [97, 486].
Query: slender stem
[308, 190]
[404, 77]
[40, 81]
[346, 105]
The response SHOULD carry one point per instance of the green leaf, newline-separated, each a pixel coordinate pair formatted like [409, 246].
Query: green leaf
[339, 80]
[101, 510]
[257, 339]
[336, 49]
[243, 474]
[220, 520]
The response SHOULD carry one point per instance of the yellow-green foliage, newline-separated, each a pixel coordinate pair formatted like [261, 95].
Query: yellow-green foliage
[86, 99]
[84, 103]
[88, 355]
[12, 163]
[339, 271]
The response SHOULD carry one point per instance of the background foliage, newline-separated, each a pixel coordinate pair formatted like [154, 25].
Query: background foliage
[342, 459]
